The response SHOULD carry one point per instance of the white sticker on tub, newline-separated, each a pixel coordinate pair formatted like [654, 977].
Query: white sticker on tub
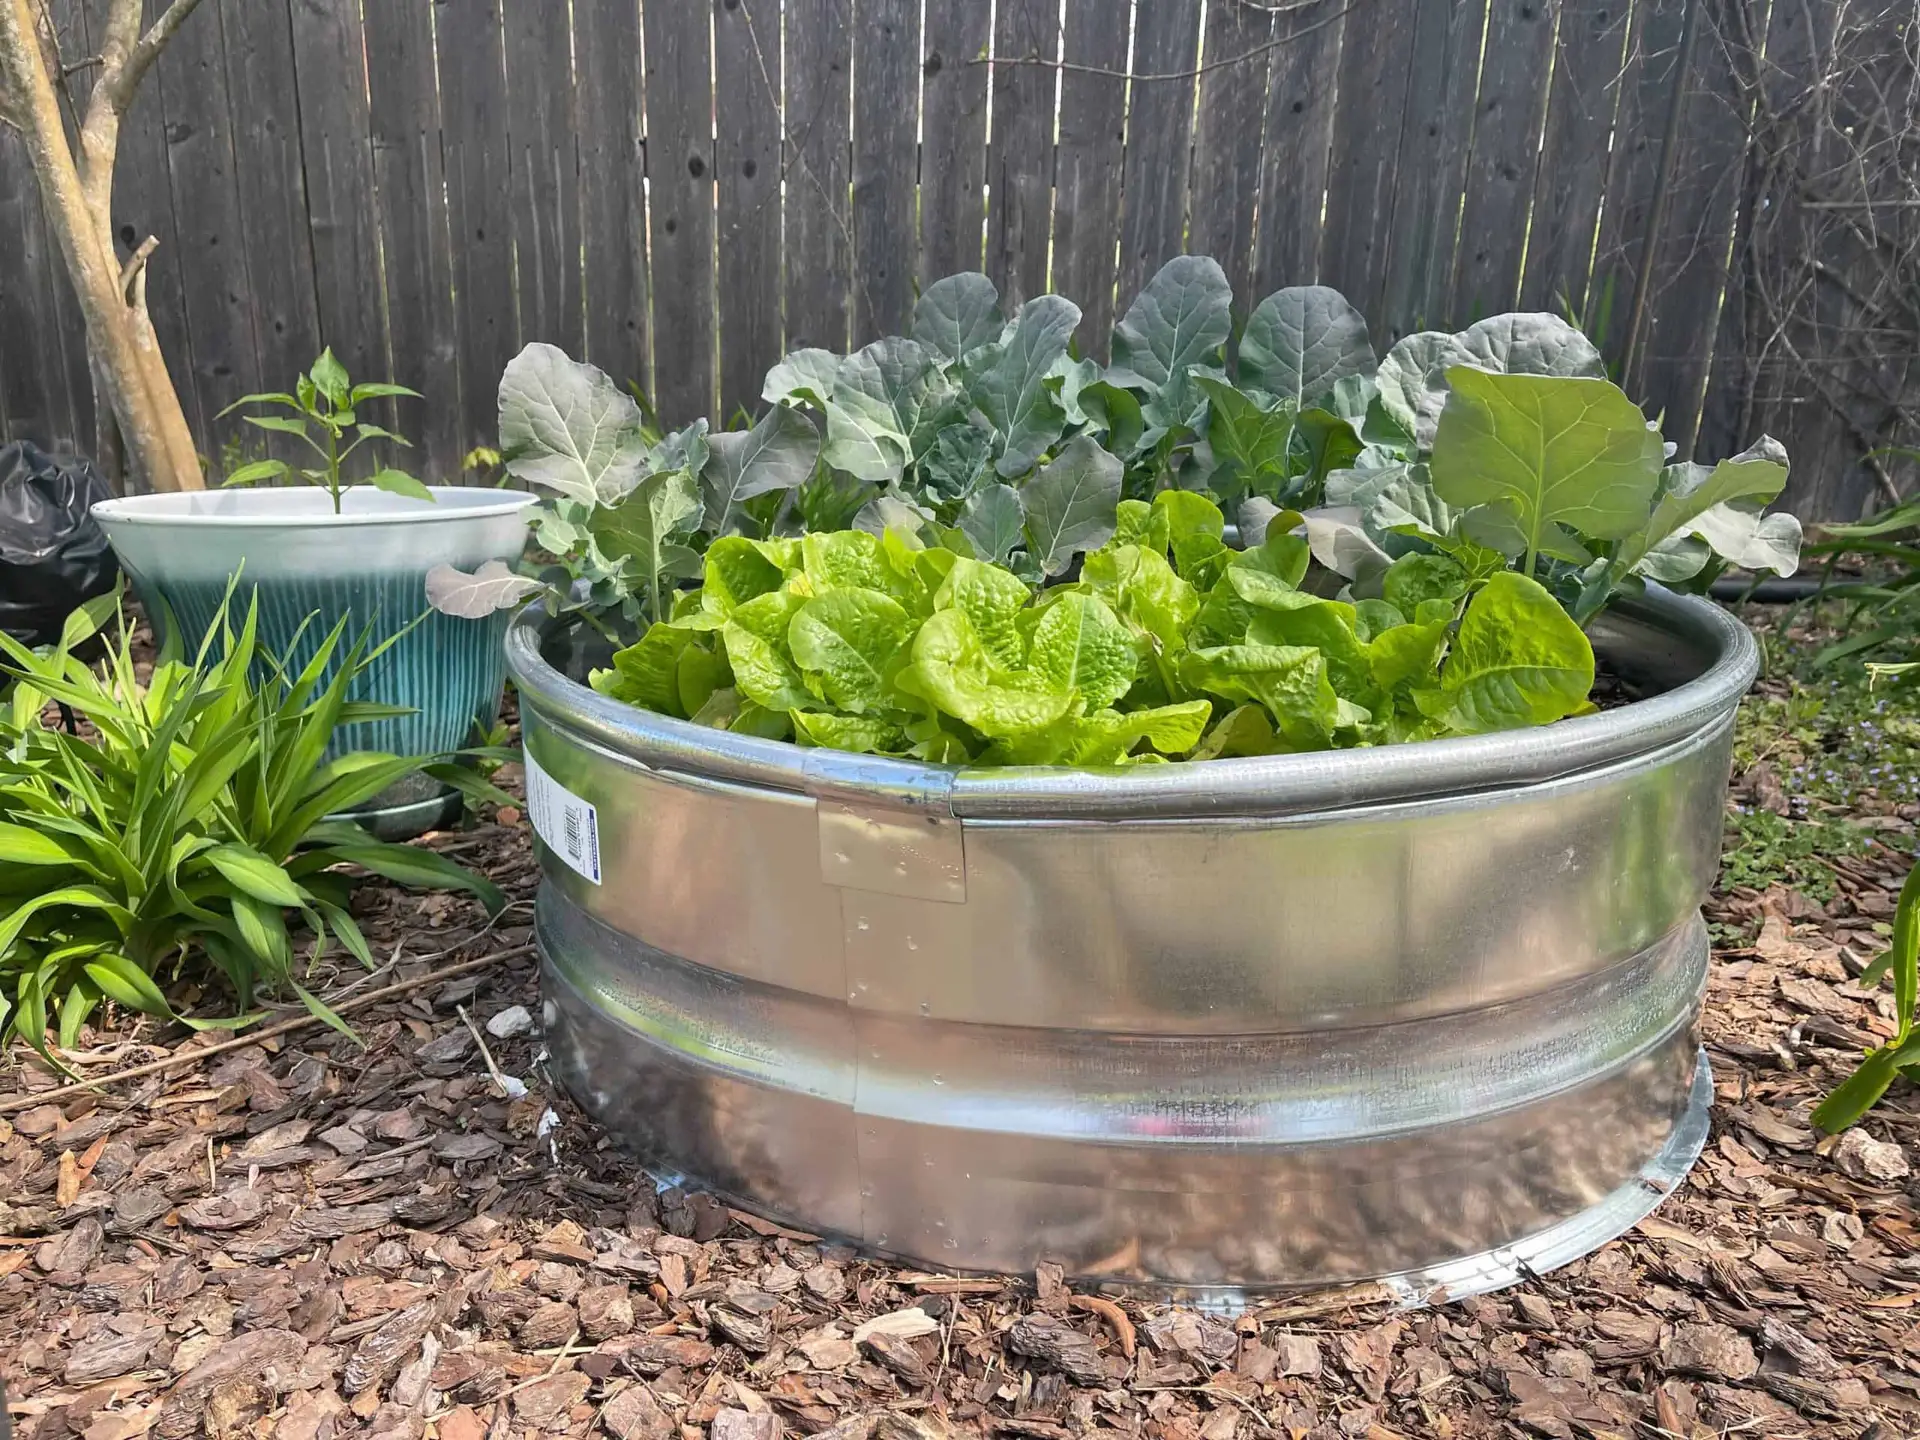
[569, 825]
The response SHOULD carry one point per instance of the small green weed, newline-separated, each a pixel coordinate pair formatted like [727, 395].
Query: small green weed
[1842, 752]
[1764, 849]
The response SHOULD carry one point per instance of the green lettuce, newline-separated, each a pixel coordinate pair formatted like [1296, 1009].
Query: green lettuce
[1167, 645]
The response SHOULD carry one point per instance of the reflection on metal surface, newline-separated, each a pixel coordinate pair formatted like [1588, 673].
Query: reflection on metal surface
[1285, 1022]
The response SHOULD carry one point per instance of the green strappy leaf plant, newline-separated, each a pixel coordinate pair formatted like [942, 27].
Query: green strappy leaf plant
[183, 822]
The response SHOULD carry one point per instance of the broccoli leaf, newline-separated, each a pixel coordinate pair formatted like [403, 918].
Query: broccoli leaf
[1559, 451]
[1181, 319]
[1071, 504]
[776, 454]
[1303, 341]
[1011, 383]
[565, 426]
[959, 314]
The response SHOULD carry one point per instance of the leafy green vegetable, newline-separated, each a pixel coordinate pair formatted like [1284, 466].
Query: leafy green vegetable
[901, 644]
[957, 315]
[568, 428]
[646, 529]
[778, 453]
[1252, 443]
[1181, 320]
[1070, 505]
[1413, 376]
[184, 826]
[1556, 454]
[1303, 341]
[1556, 475]
[994, 521]
[1009, 382]
[618, 529]
[874, 407]
[1517, 660]
[1481, 495]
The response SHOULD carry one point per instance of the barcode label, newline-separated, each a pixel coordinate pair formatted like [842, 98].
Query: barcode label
[569, 825]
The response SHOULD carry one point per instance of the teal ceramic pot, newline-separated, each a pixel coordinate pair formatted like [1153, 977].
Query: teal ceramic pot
[368, 563]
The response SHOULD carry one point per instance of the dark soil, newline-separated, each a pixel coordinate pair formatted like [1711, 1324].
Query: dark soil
[301, 1238]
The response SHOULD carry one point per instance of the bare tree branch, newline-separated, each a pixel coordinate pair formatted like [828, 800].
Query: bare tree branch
[121, 34]
[57, 68]
[119, 82]
[135, 269]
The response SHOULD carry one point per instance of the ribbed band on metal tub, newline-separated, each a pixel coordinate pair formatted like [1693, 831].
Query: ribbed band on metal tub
[1188, 1161]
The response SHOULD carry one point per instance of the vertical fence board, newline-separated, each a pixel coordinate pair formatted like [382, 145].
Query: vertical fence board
[267, 174]
[1225, 190]
[44, 382]
[1765, 73]
[34, 395]
[1690, 256]
[1583, 96]
[886, 110]
[416, 255]
[546, 172]
[818, 229]
[1086, 208]
[1153, 219]
[1374, 66]
[1020, 156]
[1298, 136]
[329, 52]
[1501, 169]
[613, 203]
[1634, 174]
[1781, 379]
[746, 67]
[1746, 395]
[1733, 384]
[953, 136]
[212, 257]
[306, 181]
[473, 117]
[1435, 134]
[679, 98]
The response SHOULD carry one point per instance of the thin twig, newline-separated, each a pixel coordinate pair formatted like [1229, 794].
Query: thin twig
[566, 1353]
[499, 1080]
[188, 1057]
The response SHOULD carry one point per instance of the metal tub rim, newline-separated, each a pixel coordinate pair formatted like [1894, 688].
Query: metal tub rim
[1727, 662]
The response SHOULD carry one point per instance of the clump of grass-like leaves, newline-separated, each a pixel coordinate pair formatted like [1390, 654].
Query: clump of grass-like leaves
[184, 822]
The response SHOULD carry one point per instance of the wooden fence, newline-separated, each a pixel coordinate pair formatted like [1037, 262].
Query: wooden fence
[680, 190]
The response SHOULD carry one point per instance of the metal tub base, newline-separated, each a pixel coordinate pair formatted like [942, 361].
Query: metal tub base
[1425, 1015]
[1048, 1157]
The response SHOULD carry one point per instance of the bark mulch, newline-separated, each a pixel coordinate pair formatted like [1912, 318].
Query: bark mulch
[299, 1238]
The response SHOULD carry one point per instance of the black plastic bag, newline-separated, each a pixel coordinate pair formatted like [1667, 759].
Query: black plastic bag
[53, 556]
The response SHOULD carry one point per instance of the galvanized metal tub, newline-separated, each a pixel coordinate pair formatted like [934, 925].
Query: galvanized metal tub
[1424, 1014]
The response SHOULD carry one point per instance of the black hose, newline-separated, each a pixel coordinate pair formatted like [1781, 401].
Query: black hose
[1775, 590]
